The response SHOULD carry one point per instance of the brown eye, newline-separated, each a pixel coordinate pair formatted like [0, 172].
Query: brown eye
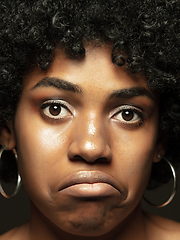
[127, 115]
[54, 110]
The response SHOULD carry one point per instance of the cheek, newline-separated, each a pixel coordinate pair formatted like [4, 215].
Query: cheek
[134, 157]
[41, 152]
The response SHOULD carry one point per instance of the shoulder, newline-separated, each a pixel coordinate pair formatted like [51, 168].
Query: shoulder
[162, 228]
[10, 235]
[17, 233]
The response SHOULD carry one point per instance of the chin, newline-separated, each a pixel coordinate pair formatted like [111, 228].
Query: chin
[90, 223]
[89, 229]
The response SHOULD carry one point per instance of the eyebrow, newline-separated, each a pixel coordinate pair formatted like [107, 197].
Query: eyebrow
[131, 92]
[58, 83]
[68, 86]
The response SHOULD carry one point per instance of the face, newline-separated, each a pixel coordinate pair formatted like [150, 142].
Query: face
[86, 135]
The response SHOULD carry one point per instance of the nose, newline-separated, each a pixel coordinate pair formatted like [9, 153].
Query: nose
[90, 142]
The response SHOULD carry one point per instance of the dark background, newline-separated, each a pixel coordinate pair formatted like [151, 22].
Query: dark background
[15, 211]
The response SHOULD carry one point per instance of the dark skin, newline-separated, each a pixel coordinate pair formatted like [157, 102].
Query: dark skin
[87, 134]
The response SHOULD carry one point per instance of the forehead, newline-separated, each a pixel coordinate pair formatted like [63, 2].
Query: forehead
[95, 70]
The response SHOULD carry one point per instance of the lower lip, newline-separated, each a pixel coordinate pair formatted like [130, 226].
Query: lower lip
[90, 190]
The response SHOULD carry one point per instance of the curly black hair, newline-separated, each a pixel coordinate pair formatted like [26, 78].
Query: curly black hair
[144, 35]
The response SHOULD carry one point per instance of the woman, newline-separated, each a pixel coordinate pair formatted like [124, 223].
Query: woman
[92, 104]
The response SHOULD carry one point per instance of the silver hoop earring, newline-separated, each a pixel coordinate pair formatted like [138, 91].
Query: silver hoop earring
[174, 186]
[18, 184]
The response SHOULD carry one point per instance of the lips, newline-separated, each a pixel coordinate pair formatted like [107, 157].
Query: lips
[90, 183]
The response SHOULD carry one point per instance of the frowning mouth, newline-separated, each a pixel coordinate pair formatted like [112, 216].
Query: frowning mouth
[90, 184]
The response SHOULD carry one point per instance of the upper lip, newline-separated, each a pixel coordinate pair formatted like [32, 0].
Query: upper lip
[89, 177]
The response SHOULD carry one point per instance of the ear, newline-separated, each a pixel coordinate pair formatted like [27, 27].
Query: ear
[7, 136]
[161, 146]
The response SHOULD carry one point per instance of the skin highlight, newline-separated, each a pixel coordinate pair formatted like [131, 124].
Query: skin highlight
[90, 136]
[89, 97]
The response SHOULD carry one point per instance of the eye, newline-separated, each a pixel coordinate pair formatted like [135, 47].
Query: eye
[55, 109]
[129, 115]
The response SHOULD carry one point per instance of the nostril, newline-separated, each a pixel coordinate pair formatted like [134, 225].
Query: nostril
[77, 158]
[99, 160]
[96, 150]
[102, 160]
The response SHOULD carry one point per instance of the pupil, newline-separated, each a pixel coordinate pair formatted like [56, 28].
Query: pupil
[54, 110]
[127, 115]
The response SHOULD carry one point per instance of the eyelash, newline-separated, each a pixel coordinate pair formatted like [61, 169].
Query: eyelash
[61, 108]
[132, 110]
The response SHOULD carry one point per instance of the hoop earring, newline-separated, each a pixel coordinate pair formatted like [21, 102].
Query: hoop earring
[18, 184]
[174, 186]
